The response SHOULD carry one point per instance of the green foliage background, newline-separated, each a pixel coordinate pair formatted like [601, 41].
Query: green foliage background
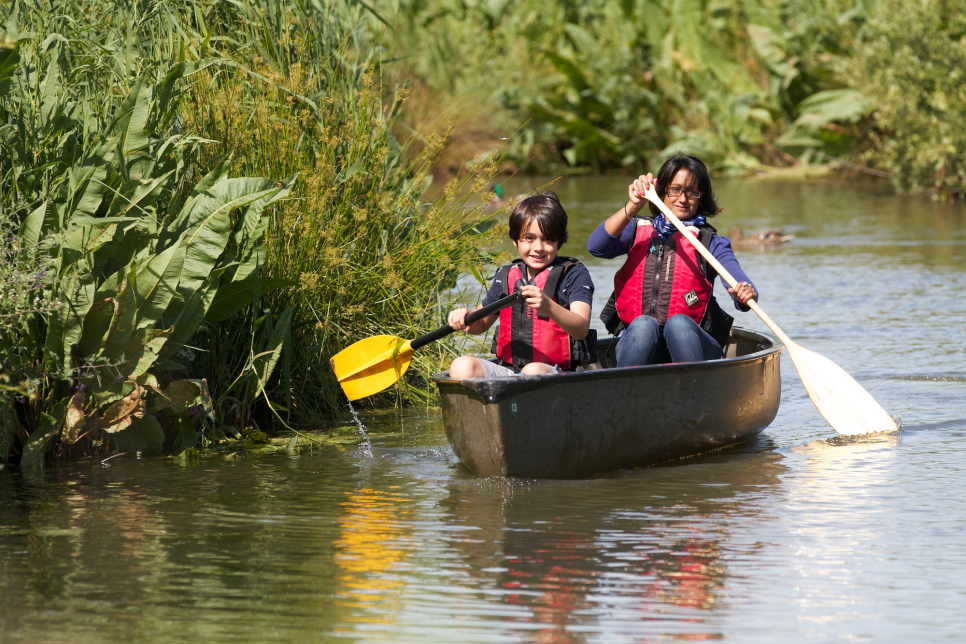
[911, 66]
[745, 84]
[164, 301]
[202, 201]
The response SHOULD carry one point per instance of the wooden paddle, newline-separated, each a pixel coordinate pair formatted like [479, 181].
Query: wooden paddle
[844, 403]
[369, 366]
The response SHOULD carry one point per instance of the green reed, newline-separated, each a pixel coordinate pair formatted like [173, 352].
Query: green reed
[367, 255]
[118, 153]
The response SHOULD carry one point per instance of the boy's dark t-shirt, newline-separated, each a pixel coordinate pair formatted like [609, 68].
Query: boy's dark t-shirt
[574, 286]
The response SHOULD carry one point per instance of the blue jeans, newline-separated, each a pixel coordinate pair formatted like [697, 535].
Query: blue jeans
[681, 340]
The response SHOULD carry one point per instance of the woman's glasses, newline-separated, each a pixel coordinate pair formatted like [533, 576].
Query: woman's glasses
[690, 194]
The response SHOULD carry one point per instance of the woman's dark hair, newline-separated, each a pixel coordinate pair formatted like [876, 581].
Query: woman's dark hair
[699, 181]
[550, 216]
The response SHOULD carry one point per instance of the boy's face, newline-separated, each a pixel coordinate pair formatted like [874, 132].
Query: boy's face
[536, 251]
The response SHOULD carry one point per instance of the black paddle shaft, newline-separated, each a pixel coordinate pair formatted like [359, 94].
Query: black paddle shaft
[478, 314]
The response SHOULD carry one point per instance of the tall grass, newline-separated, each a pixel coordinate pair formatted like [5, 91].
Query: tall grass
[186, 304]
[368, 257]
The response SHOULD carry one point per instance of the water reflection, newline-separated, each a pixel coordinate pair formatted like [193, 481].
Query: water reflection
[373, 538]
[596, 558]
[789, 539]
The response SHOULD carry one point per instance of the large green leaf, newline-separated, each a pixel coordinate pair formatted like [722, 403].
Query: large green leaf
[192, 315]
[122, 323]
[209, 226]
[138, 194]
[78, 307]
[94, 328]
[32, 226]
[42, 438]
[87, 179]
[143, 435]
[142, 351]
[133, 117]
[180, 223]
[842, 105]
[234, 296]
[250, 237]
[264, 363]
[157, 282]
[64, 328]
[53, 90]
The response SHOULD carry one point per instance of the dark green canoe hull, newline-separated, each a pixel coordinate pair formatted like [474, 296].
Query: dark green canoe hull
[574, 425]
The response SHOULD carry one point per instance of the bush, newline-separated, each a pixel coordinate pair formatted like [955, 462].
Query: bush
[608, 84]
[912, 68]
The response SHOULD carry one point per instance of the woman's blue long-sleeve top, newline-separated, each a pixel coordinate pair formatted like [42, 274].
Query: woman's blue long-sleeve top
[606, 246]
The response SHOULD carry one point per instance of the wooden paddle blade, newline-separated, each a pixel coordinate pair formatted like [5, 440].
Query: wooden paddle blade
[845, 404]
[371, 365]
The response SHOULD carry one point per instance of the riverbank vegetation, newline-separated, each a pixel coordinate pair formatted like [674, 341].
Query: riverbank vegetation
[747, 85]
[204, 202]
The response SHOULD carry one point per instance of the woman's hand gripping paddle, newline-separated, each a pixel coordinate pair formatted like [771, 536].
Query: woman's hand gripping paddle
[371, 365]
[844, 403]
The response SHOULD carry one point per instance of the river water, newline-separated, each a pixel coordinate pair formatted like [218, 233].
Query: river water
[798, 536]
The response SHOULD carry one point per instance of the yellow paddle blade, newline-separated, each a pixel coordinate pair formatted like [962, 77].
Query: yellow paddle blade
[845, 404]
[371, 365]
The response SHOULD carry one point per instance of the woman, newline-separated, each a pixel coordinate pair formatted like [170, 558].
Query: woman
[663, 294]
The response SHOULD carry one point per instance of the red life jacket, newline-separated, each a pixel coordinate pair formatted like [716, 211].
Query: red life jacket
[524, 335]
[661, 278]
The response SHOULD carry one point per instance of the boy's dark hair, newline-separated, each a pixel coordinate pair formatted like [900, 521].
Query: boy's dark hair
[550, 216]
[699, 181]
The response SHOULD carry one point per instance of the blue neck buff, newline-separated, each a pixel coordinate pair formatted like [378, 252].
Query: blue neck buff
[665, 228]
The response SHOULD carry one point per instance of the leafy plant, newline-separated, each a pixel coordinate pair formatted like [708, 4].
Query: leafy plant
[609, 84]
[140, 261]
[911, 69]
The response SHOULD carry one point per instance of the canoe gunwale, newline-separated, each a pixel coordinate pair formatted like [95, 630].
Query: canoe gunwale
[578, 424]
[493, 390]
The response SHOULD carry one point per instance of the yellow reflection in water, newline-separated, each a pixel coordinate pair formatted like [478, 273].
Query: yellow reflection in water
[372, 540]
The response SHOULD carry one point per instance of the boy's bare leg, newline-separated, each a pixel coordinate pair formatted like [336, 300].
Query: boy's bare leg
[465, 367]
[536, 369]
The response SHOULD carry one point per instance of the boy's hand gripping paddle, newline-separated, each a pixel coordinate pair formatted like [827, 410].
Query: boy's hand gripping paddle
[371, 365]
[844, 403]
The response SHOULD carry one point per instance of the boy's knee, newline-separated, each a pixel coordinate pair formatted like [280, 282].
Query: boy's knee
[465, 367]
[536, 369]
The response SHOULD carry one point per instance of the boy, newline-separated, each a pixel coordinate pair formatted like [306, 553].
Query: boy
[537, 333]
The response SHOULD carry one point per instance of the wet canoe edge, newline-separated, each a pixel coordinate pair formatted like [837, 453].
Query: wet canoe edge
[575, 425]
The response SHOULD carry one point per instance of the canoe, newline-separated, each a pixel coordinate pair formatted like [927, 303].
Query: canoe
[574, 425]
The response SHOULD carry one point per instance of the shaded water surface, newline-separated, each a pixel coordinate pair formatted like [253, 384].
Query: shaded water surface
[797, 536]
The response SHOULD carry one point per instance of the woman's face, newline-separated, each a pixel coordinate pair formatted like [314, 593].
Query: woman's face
[685, 204]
